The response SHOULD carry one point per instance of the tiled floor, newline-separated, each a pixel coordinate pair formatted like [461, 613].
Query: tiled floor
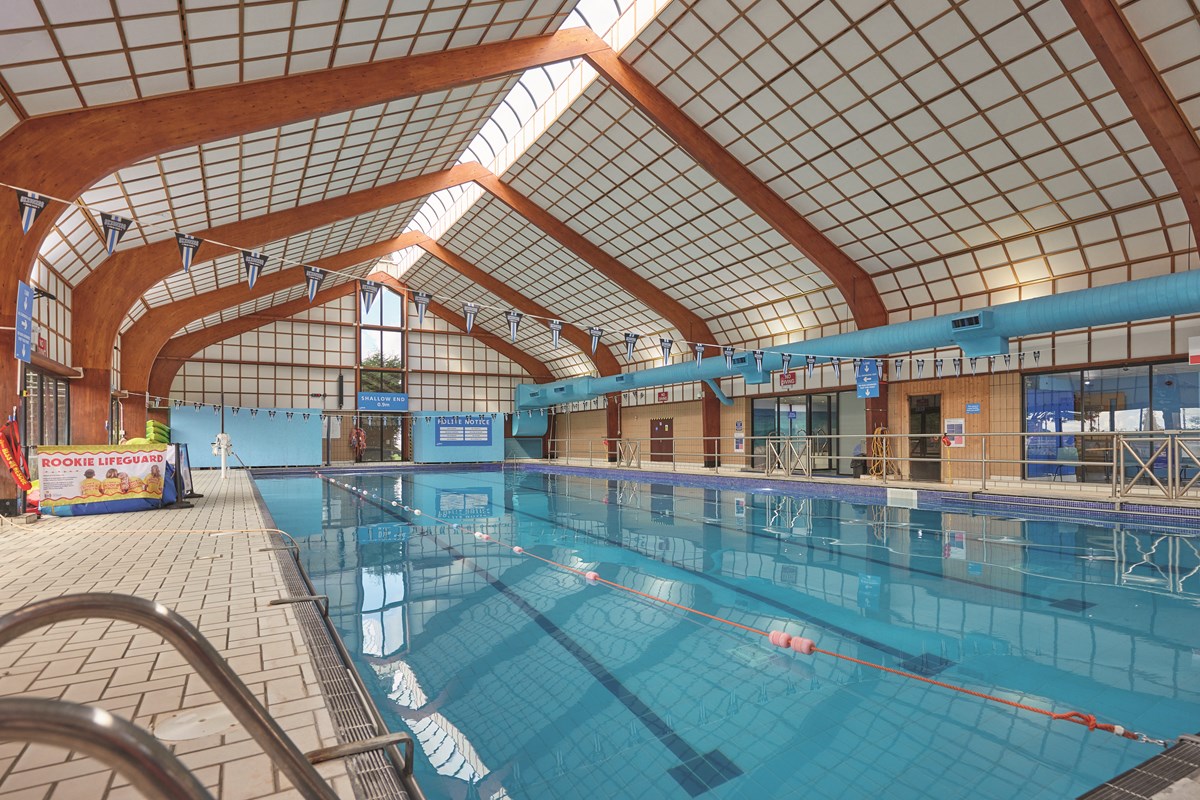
[221, 583]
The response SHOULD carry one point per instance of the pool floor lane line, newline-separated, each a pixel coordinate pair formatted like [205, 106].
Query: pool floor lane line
[697, 773]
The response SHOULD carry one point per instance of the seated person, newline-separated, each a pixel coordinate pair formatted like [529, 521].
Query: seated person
[858, 462]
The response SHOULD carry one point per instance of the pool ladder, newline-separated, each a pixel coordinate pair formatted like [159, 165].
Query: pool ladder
[144, 761]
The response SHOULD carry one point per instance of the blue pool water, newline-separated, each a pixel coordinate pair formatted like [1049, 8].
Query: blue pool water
[519, 680]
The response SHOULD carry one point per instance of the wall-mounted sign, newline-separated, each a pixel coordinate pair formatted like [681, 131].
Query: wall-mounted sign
[382, 401]
[663, 396]
[974, 408]
[955, 428]
[463, 431]
[787, 378]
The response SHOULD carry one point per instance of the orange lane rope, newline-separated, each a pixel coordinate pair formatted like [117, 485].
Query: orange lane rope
[778, 638]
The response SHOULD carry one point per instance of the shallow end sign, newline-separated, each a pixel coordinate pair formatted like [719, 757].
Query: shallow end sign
[382, 401]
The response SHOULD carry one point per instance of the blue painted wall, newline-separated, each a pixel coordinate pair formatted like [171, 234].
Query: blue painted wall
[430, 448]
[260, 441]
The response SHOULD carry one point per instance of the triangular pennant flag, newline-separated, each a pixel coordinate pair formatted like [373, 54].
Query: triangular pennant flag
[699, 353]
[235, 409]
[421, 300]
[1007, 360]
[920, 367]
[216, 408]
[728, 353]
[630, 341]
[1037, 357]
[196, 406]
[469, 312]
[595, 334]
[855, 361]
[991, 363]
[254, 263]
[254, 412]
[114, 228]
[188, 245]
[555, 331]
[957, 362]
[289, 414]
[787, 361]
[271, 414]
[973, 360]
[31, 206]
[758, 359]
[879, 365]
[368, 290]
[314, 277]
[306, 415]
[898, 368]
[666, 345]
[514, 322]
[837, 369]
[1021, 360]
[937, 366]
[809, 363]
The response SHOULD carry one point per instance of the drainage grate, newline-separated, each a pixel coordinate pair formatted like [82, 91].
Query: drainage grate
[1149, 778]
[1071, 604]
[926, 664]
[373, 774]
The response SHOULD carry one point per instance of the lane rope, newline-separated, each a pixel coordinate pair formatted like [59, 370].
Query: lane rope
[781, 639]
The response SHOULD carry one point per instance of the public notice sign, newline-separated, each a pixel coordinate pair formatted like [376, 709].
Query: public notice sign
[108, 477]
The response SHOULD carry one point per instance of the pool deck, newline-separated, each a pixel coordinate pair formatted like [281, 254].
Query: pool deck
[223, 584]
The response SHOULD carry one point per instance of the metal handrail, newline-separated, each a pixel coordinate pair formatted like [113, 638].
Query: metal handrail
[197, 651]
[140, 758]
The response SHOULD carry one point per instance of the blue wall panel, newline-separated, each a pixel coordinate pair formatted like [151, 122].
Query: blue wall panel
[260, 441]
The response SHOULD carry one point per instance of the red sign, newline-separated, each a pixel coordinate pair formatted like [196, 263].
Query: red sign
[787, 378]
[662, 397]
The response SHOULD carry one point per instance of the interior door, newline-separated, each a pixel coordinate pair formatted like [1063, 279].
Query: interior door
[662, 439]
[925, 436]
[823, 419]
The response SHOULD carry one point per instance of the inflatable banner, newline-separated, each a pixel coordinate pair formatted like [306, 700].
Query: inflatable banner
[103, 479]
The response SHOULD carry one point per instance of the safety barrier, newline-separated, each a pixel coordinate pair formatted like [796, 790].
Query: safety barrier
[1150, 464]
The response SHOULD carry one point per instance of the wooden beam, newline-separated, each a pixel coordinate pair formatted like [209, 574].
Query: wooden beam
[1127, 65]
[855, 284]
[63, 154]
[538, 371]
[104, 295]
[690, 324]
[177, 351]
[606, 363]
[141, 343]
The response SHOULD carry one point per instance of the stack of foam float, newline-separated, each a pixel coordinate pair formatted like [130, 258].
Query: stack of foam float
[157, 432]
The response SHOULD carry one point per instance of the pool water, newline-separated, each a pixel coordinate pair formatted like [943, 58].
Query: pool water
[520, 680]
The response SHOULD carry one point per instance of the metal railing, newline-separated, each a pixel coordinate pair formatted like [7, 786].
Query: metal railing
[1153, 464]
[140, 758]
[199, 654]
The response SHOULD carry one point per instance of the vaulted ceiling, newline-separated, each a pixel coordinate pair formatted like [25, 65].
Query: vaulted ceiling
[960, 153]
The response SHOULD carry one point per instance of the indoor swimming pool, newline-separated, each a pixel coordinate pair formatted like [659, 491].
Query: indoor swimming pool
[520, 679]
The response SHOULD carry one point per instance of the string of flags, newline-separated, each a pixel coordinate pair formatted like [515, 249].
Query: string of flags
[114, 227]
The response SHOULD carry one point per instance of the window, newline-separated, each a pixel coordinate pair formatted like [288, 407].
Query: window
[1064, 407]
[381, 369]
[47, 409]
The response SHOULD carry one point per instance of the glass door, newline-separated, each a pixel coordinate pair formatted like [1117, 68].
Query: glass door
[823, 422]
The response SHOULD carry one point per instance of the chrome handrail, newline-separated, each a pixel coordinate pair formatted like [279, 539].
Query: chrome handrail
[197, 651]
[141, 759]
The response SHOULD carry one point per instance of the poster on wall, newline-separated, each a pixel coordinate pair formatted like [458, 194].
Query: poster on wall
[955, 428]
[739, 438]
[103, 479]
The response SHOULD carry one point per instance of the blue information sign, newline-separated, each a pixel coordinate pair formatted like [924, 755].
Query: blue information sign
[382, 401]
[974, 408]
[463, 432]
[24, 328]
[791, 415]
[867, 378]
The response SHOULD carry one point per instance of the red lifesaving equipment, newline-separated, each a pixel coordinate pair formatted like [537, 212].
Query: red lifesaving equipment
[14, 458]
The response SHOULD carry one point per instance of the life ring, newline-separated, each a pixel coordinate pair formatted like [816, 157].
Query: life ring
[14, 458]
[358, 441]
